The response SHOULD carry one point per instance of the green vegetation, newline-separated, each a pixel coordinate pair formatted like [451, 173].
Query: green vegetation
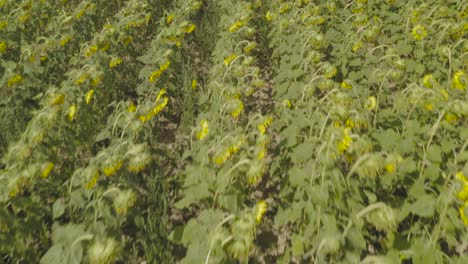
[249, 131]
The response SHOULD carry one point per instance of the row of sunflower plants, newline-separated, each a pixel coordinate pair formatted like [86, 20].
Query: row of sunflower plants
[35, 45]
[133, 145]
[43, 192]
[30, 157]
[372, 130]
[228, 155]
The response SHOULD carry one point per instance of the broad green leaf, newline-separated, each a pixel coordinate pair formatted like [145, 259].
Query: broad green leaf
[55, 255]
[302, 152]
[58, 208]
[424, 206]
[297, 245]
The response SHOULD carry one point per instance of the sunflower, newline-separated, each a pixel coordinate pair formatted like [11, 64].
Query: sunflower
[124, 201]
[260, 210]
[429, 81]
[229, 59]
[103, 252]
[72, 112]
[89, 96]
[112, 165]
[419, 32]
[47, 169]
[460, 80]
[203, 129]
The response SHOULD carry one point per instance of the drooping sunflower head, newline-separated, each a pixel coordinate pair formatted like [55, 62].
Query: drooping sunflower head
[202, 129]
[419, 32]
[260, 210]
[383, 218]
[111, 165]
[371, 166]
[103, 252]
[429, 81]
[256, 171]
[460, 80]
[124, 201]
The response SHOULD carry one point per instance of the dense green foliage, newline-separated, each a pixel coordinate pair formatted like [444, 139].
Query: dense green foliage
[247, 131]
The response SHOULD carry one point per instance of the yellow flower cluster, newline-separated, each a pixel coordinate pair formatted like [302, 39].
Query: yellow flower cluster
[330, 72]
[391, 163]
[346, 84]
[451, 118]
[156, 74]
[284, 8]
[72, 112]
[260, 210]
[189, 28]
[47, 170]
[174, 40]
[444, 94]
[96, 81]
[463, 196]
[58, 100]
[371, 103]
[14, 80]
[460, 80]
[238, 110]
[249, 47]
[89, 96]
[203, 130]
[3, 47]
[346, 141]
[357, 45]
[91, 50]
[419, 32]
[139, 162]
[131, 108]
[82, 79]
[169, 19]
[269, 16]
[286, 103]
[3, 24]
[112, 167]
[225, 154]
[357, 122]
[229, 59]
[429, 81]
[89, 185]
[262, 127]
[114, 62]
[158, 108]
[65, 40]
[236, 26]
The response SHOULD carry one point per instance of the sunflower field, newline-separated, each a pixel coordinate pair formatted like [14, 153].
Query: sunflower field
[222, 131]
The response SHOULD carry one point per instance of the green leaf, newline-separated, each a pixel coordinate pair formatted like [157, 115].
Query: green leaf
[67, 234]
[302, 152]
[297, 176]
[432, 172]
[297, 245]
[58, 208]
[425, 254]
[356, 239]
[55, 255]
[210, 218]
[192, 231]
[424, 206]
[176, 235]
[196, 253]
[434, 154]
